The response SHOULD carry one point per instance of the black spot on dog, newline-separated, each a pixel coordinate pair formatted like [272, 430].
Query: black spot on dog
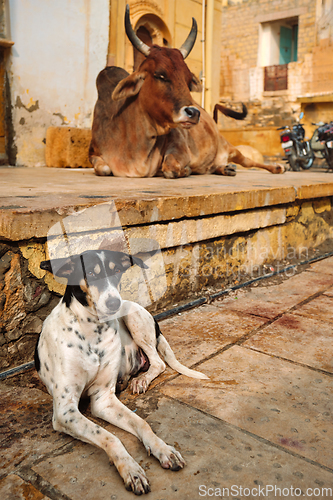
[47, 368]
[81, 337]
[69, 345]
[36, 357]
[157, 329]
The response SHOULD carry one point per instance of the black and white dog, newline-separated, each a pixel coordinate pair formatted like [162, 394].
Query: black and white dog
[91, 344]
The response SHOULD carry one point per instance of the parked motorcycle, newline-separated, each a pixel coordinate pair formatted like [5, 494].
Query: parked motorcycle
[297, 150]
[322, 142]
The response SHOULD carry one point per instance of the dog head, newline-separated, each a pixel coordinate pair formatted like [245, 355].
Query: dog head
[93, 278]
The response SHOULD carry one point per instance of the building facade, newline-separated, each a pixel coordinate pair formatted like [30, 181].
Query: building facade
[277, 56]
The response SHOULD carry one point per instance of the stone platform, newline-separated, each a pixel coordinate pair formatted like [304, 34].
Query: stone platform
[213, 232]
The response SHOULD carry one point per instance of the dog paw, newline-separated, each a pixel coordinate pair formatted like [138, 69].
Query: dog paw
[171, 459]
[135, 480]
[139, 385]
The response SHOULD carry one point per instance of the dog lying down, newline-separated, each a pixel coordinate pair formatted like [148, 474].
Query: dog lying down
[91, 344]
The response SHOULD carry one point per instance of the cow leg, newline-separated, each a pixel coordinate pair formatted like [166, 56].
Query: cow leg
[176, 158]
[172, 168]
[100, 167]
[236, 156]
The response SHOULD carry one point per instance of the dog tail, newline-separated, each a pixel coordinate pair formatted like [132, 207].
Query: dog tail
[168, 356]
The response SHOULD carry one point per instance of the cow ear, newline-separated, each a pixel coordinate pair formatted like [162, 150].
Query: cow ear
[129, 86]
[62, 268]
[195, 85]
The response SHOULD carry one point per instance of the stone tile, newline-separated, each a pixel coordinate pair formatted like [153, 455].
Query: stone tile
[329, 292]
[284, 403]
[26, 431]
[320, 308]
[299, 339]
[218, 455]
[200, 332]
[14, 488]
[323, 266]
[270, 301]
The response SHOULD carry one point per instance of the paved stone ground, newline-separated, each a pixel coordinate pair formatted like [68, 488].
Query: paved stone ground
[260, 427]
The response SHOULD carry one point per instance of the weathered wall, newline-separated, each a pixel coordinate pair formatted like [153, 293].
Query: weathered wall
[243, 59]
[232, 248]
[59, 49]
[241, 75]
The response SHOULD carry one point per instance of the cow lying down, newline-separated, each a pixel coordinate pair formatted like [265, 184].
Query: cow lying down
[147, 123]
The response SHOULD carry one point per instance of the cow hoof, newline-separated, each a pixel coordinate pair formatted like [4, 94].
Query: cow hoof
[278, 169]
[175, 174]
[103, 170]
[229, 169]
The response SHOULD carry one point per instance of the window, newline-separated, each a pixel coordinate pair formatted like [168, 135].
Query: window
[278, 42]
[277, 48]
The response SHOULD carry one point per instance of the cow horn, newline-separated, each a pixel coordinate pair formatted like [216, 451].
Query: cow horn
[187, 46]
[134, 39]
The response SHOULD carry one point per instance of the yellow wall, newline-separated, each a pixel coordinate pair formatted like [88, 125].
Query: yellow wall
[177, 16]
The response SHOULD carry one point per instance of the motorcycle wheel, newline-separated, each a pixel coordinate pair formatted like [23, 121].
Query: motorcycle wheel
[329, 159]
[292, 160]
[308, 161]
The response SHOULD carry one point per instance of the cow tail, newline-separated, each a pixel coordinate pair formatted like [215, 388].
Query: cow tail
[168, 356]
[230, 112]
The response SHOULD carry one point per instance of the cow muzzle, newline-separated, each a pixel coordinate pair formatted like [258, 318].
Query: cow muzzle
[188, 116]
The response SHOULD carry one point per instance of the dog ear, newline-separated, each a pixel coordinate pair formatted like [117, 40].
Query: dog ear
[139, 262]
[62, 268]
[128, 261]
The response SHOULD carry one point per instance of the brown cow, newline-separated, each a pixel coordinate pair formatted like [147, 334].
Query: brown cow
[147, 123]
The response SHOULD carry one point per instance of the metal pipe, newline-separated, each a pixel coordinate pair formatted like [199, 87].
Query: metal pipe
[209, 54]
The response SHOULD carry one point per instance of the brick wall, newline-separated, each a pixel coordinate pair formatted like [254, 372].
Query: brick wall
[240, 41]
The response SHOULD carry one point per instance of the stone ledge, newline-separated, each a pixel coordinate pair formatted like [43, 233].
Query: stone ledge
[32, 200]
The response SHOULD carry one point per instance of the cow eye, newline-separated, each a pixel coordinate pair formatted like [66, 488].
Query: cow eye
[161, 77]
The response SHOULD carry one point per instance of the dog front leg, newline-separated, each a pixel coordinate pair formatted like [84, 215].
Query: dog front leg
[141, 326]
[109, 408]
[68, 419]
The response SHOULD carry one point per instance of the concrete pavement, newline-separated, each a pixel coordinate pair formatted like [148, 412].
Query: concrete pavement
[260, 427]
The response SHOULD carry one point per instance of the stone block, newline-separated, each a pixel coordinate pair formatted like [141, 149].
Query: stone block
[67, 147]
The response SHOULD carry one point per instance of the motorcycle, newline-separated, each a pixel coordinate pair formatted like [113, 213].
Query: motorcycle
[322, 142]
[298, 151]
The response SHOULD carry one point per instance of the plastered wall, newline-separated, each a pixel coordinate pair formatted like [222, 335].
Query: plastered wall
[60, 46]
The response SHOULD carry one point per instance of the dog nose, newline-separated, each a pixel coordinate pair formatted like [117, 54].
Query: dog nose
[193, 113]
[113, 304]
